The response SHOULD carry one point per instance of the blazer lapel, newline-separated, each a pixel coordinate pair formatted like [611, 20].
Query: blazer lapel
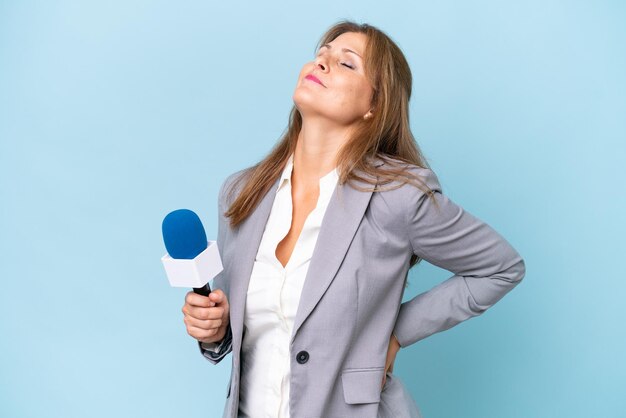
[247, 241]
[341, 220]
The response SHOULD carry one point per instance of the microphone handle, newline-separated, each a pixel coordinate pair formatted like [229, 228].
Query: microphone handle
[204, 290]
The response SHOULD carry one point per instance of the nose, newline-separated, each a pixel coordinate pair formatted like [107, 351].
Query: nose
[320, 62]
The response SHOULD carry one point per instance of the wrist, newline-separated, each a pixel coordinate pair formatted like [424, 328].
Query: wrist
[395, 341]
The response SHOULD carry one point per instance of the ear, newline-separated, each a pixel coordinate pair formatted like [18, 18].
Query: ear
[369, 114]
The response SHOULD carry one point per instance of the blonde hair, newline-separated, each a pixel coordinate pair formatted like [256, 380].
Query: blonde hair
[386, 135]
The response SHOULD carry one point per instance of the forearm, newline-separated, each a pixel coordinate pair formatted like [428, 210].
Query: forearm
[451, 302]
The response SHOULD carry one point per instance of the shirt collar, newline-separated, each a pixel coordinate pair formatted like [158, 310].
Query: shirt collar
[327, 181]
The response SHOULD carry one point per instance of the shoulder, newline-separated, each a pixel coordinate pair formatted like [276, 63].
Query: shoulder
[424, 176]
[233, 178]
[231, 185]
[398, 198]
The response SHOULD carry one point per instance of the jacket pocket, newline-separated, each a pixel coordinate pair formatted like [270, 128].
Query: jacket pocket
[362, 385]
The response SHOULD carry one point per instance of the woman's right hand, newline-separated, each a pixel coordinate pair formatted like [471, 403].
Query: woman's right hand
[207, 317]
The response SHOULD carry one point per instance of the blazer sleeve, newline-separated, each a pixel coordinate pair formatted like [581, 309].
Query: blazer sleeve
[215, 352]
[485, 265]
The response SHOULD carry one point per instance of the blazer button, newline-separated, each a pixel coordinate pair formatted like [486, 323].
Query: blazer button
[302, 357]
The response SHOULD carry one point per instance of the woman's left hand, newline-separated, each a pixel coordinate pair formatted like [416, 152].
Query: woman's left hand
[392, 350]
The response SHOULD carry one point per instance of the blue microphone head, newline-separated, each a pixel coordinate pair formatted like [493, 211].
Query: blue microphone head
[183, 234]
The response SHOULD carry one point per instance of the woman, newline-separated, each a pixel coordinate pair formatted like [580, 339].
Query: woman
[320, 237]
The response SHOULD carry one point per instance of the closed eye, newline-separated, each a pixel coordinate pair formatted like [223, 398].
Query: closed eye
[347, 65]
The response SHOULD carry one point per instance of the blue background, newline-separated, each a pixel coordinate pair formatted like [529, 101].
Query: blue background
[114, 113]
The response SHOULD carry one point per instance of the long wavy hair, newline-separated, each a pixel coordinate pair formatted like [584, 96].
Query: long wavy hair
[386, 135]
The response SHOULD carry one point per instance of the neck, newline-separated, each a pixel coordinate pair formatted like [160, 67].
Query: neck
[318, 144]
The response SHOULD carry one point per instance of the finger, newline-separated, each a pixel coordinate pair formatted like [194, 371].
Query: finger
[203, 323]
[217, 296]
[205, 313]
[195, 299]
[201, 334]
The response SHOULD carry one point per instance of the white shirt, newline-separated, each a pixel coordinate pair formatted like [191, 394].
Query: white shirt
[272, 302]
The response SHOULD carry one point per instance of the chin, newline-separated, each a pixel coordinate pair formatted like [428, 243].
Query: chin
[309, 104]
[305, 101]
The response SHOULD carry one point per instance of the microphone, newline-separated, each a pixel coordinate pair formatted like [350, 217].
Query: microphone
[191, 260]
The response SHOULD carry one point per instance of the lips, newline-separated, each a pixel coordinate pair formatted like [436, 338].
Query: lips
[313, 78]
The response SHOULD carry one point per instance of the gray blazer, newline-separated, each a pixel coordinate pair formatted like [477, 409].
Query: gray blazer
[352, 294]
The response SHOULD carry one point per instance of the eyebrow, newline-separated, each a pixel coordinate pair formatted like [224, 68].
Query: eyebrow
[329, 46]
